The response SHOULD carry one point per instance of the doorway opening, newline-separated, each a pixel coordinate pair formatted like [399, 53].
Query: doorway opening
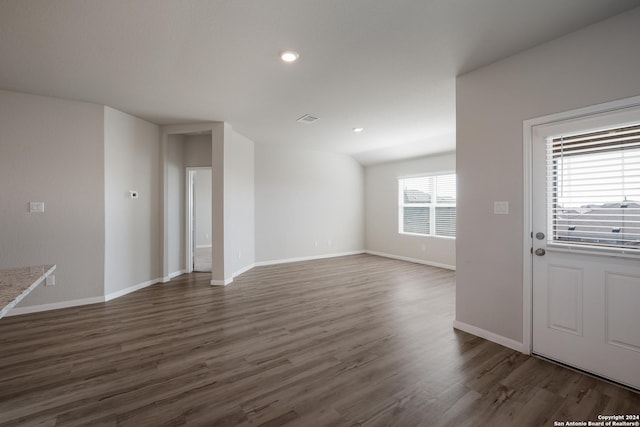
[198, 213]
[184, 148]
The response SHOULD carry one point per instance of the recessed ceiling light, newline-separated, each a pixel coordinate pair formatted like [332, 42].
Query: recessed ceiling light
[289, 56]
[358, 130]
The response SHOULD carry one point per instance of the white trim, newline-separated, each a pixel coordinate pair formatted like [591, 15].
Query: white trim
[188, 213]
[600, 251]
[420, 175]
[499, 339]
[434, 236]
[527, 263]
[189, 128]
[307, 258]
[414, 260]
[55, 306]
[165, 279]
[189, 202]
[527, 130]
[93, 300]
[243, 270]
[224, 282]
[125, 291]
[176, 274]
[333, 255]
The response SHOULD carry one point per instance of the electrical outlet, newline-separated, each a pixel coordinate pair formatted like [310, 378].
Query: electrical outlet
[50, 280]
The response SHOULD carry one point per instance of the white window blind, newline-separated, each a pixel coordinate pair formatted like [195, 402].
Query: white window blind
[428, 205]
[594, 188]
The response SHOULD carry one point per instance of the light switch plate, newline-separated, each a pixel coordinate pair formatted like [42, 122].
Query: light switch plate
[36, 207]
[501, 208]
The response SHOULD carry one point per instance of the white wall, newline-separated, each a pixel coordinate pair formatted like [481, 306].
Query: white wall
[51, 150]
[304, 197]
[594, 65]
[197, 153]
[132, 226]
[197, 150]
[381, 212]
[242, 197]
[176, 176]
[202, 202]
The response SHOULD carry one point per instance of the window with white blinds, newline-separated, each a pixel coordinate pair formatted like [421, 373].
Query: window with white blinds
[428, 205]
[594, 188]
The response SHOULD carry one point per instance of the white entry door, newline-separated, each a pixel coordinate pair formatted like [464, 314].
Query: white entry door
[586, 243]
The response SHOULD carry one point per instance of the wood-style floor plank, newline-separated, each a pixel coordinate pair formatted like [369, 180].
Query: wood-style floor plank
[357, 340]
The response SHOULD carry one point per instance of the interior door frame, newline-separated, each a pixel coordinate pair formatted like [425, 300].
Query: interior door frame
[189, 228]
[528, 128]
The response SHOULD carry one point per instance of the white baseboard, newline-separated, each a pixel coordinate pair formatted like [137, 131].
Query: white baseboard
[499, 339]
[54, 306]
[176, 274]
[307, 258]
[75, 303]
[228, 281]
[224, 282]
[203, 246]
[125, 291]
[165, 279]
[243, 270]
[414, 260]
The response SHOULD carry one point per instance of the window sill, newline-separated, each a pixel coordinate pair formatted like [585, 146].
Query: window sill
[402, 233]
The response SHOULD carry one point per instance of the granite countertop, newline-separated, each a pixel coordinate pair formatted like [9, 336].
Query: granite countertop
[16, 283]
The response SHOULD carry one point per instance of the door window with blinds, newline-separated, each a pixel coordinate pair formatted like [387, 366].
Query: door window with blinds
[593, 182]
[428, 205]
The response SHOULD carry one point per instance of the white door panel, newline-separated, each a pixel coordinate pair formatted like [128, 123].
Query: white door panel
[586, 274]
[622, 316]
[564, 298]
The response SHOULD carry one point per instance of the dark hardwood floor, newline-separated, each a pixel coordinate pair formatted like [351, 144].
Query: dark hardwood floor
[358, 340]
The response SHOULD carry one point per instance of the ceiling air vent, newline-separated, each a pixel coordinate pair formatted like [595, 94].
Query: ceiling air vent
[308, 119]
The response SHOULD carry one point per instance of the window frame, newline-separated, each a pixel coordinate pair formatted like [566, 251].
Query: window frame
[432, 205]
[592, 235]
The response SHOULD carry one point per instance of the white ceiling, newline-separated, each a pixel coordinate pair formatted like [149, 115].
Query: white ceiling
[386, 65]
